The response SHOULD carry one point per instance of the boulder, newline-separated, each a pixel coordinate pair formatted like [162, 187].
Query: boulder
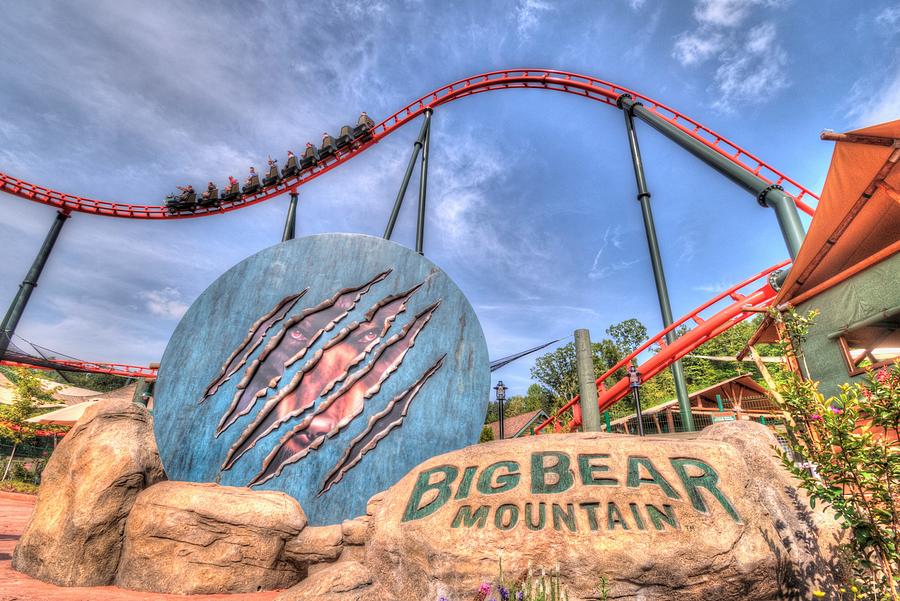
[802, 531]
[660, 518]
[343, 581]
[188, 538]
[317, 544]
[74, 537]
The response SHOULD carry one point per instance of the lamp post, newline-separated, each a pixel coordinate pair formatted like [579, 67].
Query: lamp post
[634, 379]
[500, 389]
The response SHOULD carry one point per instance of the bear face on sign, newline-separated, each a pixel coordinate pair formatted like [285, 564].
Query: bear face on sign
[326, 367]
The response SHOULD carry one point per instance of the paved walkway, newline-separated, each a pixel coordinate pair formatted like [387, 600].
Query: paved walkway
[15, 510]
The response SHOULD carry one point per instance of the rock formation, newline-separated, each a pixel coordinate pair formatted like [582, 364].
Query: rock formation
[190, 539]
[74, 537]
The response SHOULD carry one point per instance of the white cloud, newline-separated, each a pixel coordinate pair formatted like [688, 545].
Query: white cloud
[889, 18]
[636, 4]
[166, 303]
[750, 69]
[724, 13]
[875, 99]
[528, 14]
[697, 46]
[753, 73]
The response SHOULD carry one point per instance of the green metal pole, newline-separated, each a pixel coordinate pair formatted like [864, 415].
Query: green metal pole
[659, 275]
[768, 195]
[290, 224]
[587, 382]
[417, 145]
[607, 420]
[719, 402]
[423, 187]
[14, 314]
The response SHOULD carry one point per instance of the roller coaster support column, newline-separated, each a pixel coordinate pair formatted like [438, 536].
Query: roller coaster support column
[768, 195]
[659, 275]
[290, 224]
[11, 320]
[423, 186]
[417, 146]
[587, 381]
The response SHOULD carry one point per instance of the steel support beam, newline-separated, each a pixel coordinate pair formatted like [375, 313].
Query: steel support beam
[17, 307]
[423, 187]
[768, 195]
[659, 275]
[587, 381]
[290, 224]
[398, 202]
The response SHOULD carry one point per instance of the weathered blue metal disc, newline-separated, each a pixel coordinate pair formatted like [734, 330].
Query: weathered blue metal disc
[326, 367]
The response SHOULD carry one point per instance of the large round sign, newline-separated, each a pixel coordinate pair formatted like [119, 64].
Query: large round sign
[326, 367]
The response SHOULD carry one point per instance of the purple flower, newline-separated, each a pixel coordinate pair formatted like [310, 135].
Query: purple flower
[815, 417]
[520, 596]
[504, 594]
[836, 410]
[443, 599]
[485, 588]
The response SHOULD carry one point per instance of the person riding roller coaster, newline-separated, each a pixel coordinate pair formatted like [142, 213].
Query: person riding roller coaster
[291, 166]
[184, 201]
[328, 146]
[272, 176]
[210, 197]
[232, 191]
[364, 126]
[310, 157]
[251, 184]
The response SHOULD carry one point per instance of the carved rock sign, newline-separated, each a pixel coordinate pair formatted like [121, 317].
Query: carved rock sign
[662, 519]
[325, 367]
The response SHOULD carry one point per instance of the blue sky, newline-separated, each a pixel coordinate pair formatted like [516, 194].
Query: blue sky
[531, 194]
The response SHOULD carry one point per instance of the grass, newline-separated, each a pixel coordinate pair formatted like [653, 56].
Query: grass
[27, 488]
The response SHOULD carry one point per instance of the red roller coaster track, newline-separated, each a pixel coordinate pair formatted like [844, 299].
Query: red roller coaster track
[591, 88]
[741, 307]
[558, 81]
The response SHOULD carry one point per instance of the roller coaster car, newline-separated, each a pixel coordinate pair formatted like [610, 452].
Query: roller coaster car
[232, 192]
[345, 137]
[363, 131]
[291, 168]
[272, 176]
[328, 148]
[181, 202]
[252, 185]
[310, 157]
[210, 198]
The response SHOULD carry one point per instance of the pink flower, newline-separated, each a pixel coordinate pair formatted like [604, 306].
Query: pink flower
[836, 410]
[815, 417]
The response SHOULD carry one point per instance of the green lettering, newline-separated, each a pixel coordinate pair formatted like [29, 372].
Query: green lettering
[657, 516]
[468, 519]
[564, 477]
[708, 480]
[542, 516]
[588, 470]
[505, 482]
[466, 483]
[423, 485]
[614, 516]
[567, 516]
[635, 479]
[636, 513]
[591, 510]
[509, 524]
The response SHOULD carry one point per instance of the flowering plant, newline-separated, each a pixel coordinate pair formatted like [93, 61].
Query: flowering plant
[845, 450]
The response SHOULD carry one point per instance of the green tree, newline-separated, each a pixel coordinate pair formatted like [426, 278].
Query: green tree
[487, 434]
[29, 395]
[627, 335]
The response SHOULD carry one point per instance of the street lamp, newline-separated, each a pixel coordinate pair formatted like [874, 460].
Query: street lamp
[634, 379]
[500, 389]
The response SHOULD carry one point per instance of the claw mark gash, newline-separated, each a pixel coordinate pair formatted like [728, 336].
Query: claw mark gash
[362, 360]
